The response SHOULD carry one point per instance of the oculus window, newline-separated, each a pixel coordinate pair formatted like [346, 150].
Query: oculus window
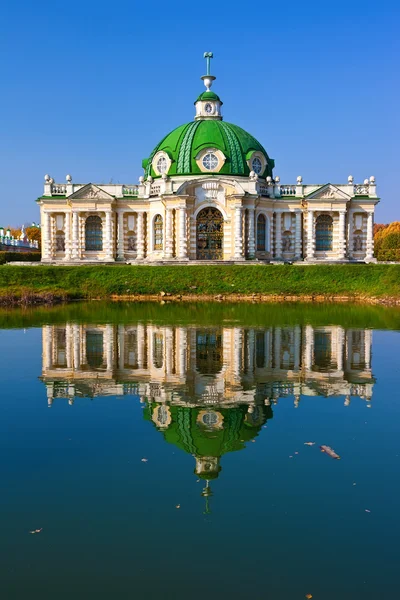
[210, 161]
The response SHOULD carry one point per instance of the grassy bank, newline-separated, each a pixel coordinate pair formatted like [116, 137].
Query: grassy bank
[50, 283]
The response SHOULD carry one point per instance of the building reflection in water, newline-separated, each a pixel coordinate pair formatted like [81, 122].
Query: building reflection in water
[209, 390]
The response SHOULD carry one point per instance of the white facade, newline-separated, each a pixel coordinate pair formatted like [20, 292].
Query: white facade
[158, 220]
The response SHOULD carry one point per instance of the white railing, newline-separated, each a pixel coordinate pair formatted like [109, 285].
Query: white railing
[130, 190]
[263, 189]
[288, 190]
[58, 189]
[11, 241]
[155, 190]
[361, 189]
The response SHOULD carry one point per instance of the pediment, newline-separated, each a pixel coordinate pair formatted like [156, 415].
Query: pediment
[328, 192]
[91, 192]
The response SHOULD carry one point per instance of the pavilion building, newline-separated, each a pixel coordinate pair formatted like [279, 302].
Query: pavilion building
[208, 193]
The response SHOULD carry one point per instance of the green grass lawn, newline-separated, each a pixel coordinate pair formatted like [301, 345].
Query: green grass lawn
[104, 281]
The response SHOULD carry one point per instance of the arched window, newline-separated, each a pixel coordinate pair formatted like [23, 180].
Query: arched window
[261, 231]
[93, 233]
[158, 233]
[323, 233]
[60, 241]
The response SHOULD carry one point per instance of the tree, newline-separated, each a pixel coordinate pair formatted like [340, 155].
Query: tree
[387, 242]
[34, 235]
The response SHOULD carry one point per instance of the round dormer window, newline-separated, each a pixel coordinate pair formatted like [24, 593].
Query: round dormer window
[210, 161]
[209, 108]
[162, 165]
[256, 165]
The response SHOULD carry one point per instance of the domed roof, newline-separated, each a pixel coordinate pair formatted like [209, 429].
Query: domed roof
[184, 144]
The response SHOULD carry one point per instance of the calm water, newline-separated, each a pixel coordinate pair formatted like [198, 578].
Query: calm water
[161, 452]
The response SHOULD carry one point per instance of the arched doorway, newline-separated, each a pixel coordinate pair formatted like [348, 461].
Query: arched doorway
[323, 233]
[209, 234]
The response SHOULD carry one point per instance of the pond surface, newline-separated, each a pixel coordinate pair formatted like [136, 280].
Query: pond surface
[175, 452]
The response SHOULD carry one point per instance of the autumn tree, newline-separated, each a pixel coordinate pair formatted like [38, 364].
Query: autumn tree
[34, 235]
[387, 242]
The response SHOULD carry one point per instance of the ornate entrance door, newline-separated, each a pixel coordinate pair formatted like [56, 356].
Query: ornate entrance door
[209, 234]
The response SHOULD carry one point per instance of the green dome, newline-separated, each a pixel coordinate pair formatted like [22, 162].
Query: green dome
[184, 143]
[208, 96]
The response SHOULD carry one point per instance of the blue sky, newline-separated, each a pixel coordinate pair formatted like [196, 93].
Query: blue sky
[88, 88]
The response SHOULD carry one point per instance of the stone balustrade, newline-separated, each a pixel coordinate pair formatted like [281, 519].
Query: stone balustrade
[130, 190]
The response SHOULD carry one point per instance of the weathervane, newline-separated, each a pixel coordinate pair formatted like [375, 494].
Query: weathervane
[208, 78]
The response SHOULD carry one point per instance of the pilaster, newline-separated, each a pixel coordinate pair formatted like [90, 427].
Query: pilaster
[120, 254]
[182, 241]
[140, 236]
[342, 235]
[238, 252]
[298, 236]
[67, 234]
[278, 235]
[251, 233]
[310, 235]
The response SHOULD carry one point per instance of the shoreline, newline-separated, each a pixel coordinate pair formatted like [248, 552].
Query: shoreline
[32, 299]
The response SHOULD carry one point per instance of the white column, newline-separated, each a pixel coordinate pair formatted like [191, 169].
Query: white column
[309, 348]
[340, 348]
[277, 347]
[350, 243]
[237, 353]
[47, 236]
[298, 236]
[109, 338]
[140, 236]
[367, 348]
[182, 241]
[310, 235]
[251, 345]
[342, 235]
[68, 344]
[108, 237]
[297, 347]
[67, 235]
[182, 349]
[141, 335]
[370, 237]
[238, 233]
[278, 235]
[168, 234]
[251, 233]
[121, 347]
[47, 344]
[120, 254]
[75, 235]
[76, 346]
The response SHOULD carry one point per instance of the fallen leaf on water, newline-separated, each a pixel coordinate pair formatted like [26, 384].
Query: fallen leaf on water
[308, 596]
[144, 459]
[36, 530]
[309, 443]
[178, 506]
[329, 451]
